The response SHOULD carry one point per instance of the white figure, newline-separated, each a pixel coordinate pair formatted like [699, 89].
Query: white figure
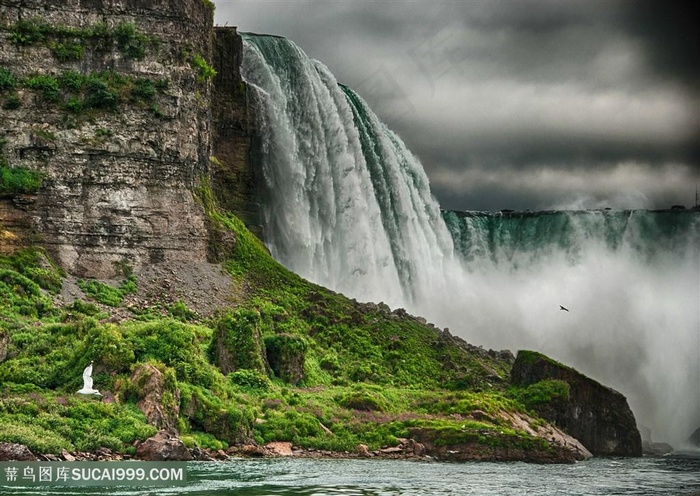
[87, 382]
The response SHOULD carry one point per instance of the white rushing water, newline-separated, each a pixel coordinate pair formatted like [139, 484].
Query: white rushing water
[348, 206]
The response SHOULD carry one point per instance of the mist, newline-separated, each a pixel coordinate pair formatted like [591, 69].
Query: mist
[348, 206]
[633, 322]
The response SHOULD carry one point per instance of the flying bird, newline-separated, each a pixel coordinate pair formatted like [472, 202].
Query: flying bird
[563, 308]
[87, 382]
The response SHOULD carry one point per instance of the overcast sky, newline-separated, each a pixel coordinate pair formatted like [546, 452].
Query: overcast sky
[518, 104]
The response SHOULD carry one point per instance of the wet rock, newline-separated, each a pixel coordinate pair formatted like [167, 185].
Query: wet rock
[656, 449]
[279, 448]
[201, 455]
[694, 439]
[163, 447]
[11, 452]
[253, 451]
[596, 415]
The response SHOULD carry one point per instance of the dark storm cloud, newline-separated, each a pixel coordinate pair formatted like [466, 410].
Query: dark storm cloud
[517, 104]
[669, 31]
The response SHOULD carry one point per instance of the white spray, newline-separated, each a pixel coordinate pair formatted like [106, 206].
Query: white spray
[349, 207]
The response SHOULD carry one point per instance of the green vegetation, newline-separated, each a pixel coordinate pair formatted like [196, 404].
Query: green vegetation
[18, 180]
[68, 44]
[542, 393]
[80, 94]
[106, 294]
[7, 80]
[303, 364]
[205, 71]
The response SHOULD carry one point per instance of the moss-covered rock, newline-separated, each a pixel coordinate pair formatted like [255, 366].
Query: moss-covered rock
[596, 415]
[238, 342]
[286, 356]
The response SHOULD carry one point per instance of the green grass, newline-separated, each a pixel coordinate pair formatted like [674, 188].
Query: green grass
[369, 377]
[106, 294]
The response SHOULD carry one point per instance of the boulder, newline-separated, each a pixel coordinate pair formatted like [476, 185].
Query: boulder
[418, 449]
[163, 447]
[363, 451]
[596, 415]
[159, 399]
[279, 448]
[11, 452]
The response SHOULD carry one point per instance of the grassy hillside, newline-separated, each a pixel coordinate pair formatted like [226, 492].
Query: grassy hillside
[300, 363]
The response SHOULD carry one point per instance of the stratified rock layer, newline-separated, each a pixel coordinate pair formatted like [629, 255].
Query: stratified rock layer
[598, 416]
[117, 183]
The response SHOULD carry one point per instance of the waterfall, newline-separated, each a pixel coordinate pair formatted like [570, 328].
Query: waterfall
[348, 206]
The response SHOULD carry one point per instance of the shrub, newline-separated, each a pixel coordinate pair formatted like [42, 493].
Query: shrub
[67, 50]
[72, 81]
[238, 334]
[249, 379]
[205, 70]
[12, 103]
[30, 31]
[100, 94]
[143, 89]
[7, 80]
[48, 85]
[18, 180]
[180, 311]
[131, 42]
[75, 105]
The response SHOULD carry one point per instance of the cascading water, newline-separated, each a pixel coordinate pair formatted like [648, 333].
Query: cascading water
[349, 207]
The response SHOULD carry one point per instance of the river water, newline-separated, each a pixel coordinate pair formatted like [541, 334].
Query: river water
[307, 477]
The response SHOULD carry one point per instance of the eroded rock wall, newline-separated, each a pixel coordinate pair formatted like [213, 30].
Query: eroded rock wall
[117, 178]
[235, 173]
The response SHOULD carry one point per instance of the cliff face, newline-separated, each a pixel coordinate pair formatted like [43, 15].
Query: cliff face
[109, 102]
[594, 414]
[235, 173]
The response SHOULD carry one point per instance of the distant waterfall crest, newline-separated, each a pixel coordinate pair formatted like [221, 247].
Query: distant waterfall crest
[349, 207]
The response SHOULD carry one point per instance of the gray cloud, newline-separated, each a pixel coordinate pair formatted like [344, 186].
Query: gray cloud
[522, 104]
